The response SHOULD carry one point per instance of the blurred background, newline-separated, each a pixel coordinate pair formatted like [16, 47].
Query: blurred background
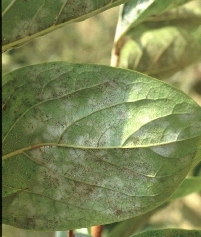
[91, 41]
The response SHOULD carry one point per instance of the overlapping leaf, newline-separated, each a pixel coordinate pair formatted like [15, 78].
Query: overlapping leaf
[170, 233]
[161, 44]
[25, 20]
[86, 145]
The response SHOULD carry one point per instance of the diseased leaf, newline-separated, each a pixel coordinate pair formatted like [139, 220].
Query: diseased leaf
[130, 226]
[25, 20]
[85, 145]
[161, 45]
[170, 233]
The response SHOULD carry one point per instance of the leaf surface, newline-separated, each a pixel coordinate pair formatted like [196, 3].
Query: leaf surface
[85, 145]
[162, 44]
[170, 233]
[134, 12]
[188, 186]
[25, 20]
[127, 227]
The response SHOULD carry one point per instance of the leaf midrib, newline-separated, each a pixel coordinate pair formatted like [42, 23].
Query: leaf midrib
[19, 151]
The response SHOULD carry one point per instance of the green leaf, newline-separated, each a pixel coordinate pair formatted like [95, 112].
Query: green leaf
[170, 233]
[135, 12]
[188, 186]
[25, 20]
[161, 45]
[127, 227]
[10, 231]
[85, 145]
[130, 226]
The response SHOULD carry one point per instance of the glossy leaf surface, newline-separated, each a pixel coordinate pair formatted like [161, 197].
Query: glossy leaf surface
[25, 20]
[85, 145]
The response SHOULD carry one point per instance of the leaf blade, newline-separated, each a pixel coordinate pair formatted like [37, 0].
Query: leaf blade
[81, 103]
[134, 12]
[160, 45]
[169, 233]
[23, 21]
[188, 186]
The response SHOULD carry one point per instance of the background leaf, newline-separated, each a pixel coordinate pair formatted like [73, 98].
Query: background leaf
[127, 227]
[11, 231]
[26, 20]
[170, 233]
[189, 185]
[161, 45]
[86, 145]
[134, 12]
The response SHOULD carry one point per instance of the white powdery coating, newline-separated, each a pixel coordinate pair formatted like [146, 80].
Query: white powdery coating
[30, 125]
[118, 183]
[164, 152]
